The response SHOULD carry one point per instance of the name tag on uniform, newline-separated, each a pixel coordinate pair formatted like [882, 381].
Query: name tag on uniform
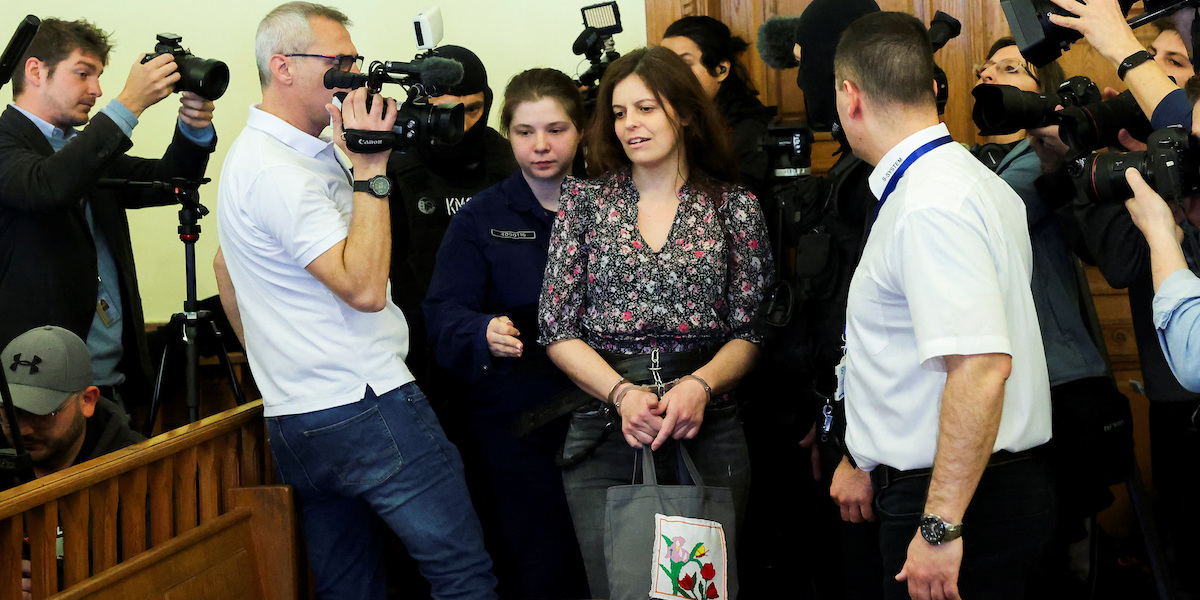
[505, 234]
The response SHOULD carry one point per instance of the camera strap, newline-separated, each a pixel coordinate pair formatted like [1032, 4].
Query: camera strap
[895, 179]
[362, 141]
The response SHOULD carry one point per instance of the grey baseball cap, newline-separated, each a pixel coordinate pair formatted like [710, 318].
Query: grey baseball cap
[44, 366]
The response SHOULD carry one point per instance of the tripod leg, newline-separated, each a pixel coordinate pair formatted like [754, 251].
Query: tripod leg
[1154, 550]
[156, 399]
[223, 356]
[191, 371]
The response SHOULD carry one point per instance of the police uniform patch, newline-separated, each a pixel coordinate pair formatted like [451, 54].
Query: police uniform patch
[514, 235]
[426, 206]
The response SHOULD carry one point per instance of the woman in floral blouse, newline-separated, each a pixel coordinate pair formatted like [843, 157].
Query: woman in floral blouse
[655, 271]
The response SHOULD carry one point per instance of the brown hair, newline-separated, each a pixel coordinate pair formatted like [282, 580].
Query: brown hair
[697, 123]
[535, 84]
[1048, 77]
[888, 56]
[56, 40]
[1192, 89]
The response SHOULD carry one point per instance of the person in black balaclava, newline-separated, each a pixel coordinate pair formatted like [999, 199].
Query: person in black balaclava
[817, 32]
[851, 569]
[432, 183]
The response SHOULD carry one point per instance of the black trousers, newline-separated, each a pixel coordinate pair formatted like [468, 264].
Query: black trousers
[1006, 527]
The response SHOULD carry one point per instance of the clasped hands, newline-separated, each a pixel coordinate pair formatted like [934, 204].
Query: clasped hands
[650, 418]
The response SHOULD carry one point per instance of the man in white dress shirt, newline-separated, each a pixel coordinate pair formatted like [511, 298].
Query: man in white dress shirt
[947, 394]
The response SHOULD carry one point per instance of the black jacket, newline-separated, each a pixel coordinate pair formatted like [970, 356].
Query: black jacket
[47, 254]
[107, 431]
[748, 119]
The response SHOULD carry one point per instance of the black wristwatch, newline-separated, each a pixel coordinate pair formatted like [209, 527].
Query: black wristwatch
[1133, 60]
[379, 186]
[936, 531]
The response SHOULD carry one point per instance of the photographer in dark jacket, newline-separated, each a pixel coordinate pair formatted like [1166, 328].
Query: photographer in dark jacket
[1121, 253]
[707, 45]
[432, 183]
[65, 253]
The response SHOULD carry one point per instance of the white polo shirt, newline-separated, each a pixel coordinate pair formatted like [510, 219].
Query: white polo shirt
[284, 199]
[945, 271]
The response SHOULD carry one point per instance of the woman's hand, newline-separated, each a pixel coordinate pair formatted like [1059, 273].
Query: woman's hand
[682, 408]
[639, 411]
[502, 338]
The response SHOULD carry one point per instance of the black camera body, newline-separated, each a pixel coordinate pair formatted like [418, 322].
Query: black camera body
[1005, 109]
[1041, 41]
[788, 144]
[1170, 164]
[204, 76]
[417, 120]
[1086, 123]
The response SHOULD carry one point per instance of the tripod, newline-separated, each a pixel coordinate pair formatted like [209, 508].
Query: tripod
[191, 323]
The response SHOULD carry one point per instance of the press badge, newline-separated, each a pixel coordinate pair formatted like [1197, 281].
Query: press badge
[840, 372]
[108, 313]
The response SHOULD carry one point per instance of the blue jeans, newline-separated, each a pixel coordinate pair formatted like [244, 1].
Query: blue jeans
[387, 456]
[719, 451]
[1005, 530]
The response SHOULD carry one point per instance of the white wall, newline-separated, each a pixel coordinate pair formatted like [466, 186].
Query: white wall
[509, 36]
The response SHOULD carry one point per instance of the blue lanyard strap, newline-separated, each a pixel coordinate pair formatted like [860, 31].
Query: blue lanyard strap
[895, 180]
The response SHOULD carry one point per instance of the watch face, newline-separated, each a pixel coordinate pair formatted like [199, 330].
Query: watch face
[380, 186]
[933, 529]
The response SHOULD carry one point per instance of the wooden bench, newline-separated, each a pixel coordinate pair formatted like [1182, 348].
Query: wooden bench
[183, 515]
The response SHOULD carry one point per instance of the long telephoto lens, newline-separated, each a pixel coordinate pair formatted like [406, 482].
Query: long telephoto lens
[1004, 109]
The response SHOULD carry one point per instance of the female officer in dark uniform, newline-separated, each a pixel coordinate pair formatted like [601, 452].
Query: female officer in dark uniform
[482, 316]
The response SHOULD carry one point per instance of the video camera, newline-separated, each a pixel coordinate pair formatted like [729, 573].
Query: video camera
[204, 76]
[1041, 41]
[1086, 123]
[788, 144]
[600, 22]
[417, 120]
[1170, 164]
[942, 29]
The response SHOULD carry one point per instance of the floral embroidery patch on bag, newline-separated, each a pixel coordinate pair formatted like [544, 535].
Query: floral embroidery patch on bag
[689, 559]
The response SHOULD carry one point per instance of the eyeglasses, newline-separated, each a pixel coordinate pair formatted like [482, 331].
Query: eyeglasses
[1008, 66]
[36, 421]
[344, 62]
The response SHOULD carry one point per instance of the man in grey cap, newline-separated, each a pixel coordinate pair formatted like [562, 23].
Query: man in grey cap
[63, 420]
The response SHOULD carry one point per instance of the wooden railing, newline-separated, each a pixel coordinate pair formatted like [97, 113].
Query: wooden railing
[118, 506]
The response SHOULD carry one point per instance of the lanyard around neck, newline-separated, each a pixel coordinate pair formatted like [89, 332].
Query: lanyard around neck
[895, 179]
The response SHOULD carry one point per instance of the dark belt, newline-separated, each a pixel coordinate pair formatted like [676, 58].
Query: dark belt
[883, 476]
[656, 368]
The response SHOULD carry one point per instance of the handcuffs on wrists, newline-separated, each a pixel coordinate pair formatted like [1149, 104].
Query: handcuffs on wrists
[657, 388]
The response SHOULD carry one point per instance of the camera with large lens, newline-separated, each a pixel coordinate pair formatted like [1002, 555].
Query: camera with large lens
[418, 121]
[204, 76]
[1086, 123]
[1170, 165]
[1004, 109]
[1090, 127]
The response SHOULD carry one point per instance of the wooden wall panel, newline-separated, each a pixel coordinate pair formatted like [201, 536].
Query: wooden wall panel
[983, 23]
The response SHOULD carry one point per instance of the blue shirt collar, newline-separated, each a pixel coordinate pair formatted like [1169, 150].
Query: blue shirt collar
[53, 134]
